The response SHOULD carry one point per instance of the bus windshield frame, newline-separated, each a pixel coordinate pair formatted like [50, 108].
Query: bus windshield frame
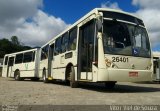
[125, 38]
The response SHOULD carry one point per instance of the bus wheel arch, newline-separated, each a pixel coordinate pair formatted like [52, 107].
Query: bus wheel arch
[67, 72]
[17, 75]
[70, 75]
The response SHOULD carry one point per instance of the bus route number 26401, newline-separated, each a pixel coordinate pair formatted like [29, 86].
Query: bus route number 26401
[119, 59]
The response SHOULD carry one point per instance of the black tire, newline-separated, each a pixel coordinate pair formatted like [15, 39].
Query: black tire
[110, 84]
[17, 76]
[73, 83]
[35, 79]
[45, 79]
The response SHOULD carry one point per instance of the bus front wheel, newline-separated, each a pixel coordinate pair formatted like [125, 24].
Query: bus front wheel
[35, 79]
[17, 76]
[73, 83]
[110, 84]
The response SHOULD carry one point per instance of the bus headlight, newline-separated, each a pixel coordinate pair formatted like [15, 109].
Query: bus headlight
[108, 62]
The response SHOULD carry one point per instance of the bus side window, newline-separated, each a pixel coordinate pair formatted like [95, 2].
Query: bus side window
[27, 57]
[6, 60]
[44, 52]
[66, 39]
[11, 61]
[19, 58]
[72, 39]
[58, 47]
[62, 44]
[33, 55]
[65, 42]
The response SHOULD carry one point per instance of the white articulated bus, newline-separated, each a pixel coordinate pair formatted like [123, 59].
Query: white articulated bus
[22, 65]
[105, 45]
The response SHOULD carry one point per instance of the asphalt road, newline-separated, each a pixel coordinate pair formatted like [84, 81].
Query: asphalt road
[58, 93]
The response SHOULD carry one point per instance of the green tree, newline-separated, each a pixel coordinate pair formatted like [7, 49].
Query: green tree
[7, 47]
[14, 40]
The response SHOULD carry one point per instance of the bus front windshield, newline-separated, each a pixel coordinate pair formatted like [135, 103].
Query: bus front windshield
[125, 39]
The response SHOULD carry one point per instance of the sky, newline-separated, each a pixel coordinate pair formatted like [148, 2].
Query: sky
[35, 22]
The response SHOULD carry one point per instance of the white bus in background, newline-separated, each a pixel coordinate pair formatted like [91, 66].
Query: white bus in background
[22, 65]
[105, 45]
[156, 66]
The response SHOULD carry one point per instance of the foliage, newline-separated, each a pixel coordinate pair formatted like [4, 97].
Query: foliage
[7, 47]
[14, 40]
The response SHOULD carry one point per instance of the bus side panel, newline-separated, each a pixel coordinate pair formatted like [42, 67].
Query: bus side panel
[4, 71]
[11, 74]
[59, 74]
[95, 73]
[26, 69]
[8, 68]
[60, 63]
[43, 65]
[58, 66]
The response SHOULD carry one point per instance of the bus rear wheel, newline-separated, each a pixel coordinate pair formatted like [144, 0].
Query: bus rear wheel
[17, 76]
[110, 84]
[73, 83]
[35, 79]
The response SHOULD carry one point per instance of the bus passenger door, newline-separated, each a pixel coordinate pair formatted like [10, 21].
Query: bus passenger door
[85, 53]
[5, 67]
[50, 59]
[10, 66]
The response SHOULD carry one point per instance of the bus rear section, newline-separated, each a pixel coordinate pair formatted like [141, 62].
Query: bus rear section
[8, 63]
[22, 65]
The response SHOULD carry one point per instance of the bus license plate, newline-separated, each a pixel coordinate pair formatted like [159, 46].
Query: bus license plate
[133, 74]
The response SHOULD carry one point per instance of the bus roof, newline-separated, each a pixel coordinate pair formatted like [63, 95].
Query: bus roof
[96, 10]
[115, 10]
[13, 54]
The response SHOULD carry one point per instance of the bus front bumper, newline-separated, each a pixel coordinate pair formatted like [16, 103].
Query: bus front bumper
[124, 75]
